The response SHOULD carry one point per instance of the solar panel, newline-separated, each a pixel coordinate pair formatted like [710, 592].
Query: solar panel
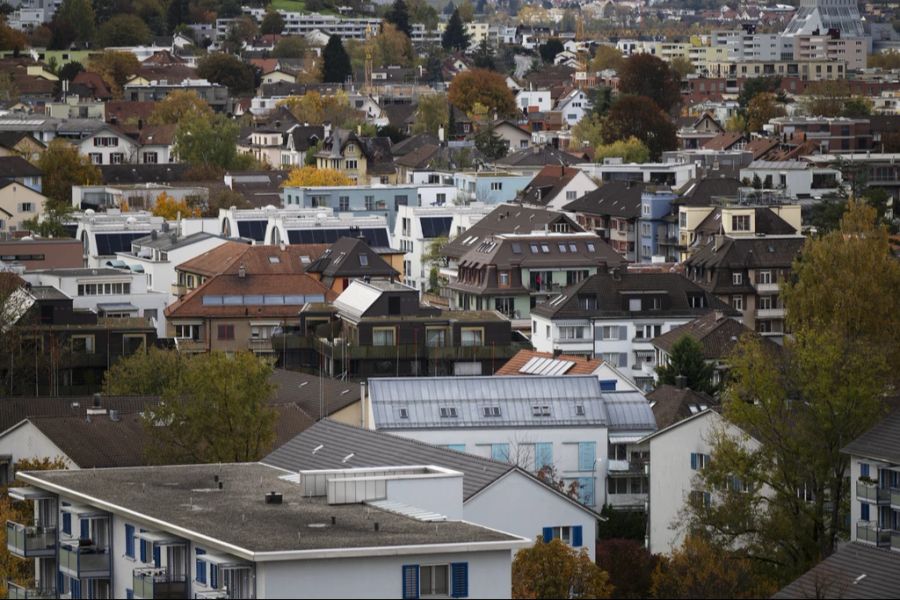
[376, 237]
[546, 366]
[110, 243]
[433, 227]
[255, 230]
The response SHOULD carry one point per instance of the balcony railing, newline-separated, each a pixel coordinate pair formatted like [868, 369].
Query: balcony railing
[154, 583]
[261, 345]
[212, 595]
[895, 498]
[767, 288]
[770, 313]
[870, 533]
[895, 539]
[870, 492]
[17, 592]
[83, 561]
[30, 542]
[189, 345]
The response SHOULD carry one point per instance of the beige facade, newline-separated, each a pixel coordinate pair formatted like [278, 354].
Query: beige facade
[816, 70]
[223, 334]
[18, 203]
[352, 162]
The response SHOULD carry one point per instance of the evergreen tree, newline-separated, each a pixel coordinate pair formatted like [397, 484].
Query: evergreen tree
[484, 56]
[398, 15]
[455, 36]
[176, 14]
[335, 62]
[687, 359]
[491, 144]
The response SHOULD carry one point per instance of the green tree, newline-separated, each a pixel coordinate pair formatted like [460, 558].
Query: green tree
[651, 77]
[70, 70]
[432, 113]
[52, 223]
[629, 564]
[78, 17]
[606, 57]
[177, 13]
[115, 68]
[641, 118]
[209, 145]
[229, 71]
[588, 132]
[335, 62]
[804, 405]
[484, 56]
[856, 107]
[826, 214]
[682, 66]
[64, 167]
[601, 100]
[398, 15]
[124, 30]
[272, 23]
[455, 36]
[556, 570]
[631, 150]
[294, 46]
[686, 359]
[156, 373]
[756, 85]
[622, 524]
[491, 144]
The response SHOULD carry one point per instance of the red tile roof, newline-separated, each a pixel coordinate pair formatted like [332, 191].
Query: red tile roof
[582, 366]
[228, 258]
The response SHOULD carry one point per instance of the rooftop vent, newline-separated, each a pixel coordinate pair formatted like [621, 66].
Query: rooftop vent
[273, 498]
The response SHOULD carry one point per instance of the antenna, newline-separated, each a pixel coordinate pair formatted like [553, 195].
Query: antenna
[317, 448]
[346, 458]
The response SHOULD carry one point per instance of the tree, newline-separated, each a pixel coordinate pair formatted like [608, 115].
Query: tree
[209, 145]
[489, 143]
[224, 197]
[11, 39]
[484, 56]
[77, 16]
[156, 373]
[294, 46]
[229, 71]
[622, 524]
[398, 16]
[856, 107]
[52, 224]
[826, 214]
[432, 113]
[588, 132]
[686, 359]
[550, 49]
[555, 570]
[607, 57]
[884, 60]
[216, 412]
[601, 100]
[455, 36]
[70, 70]
[757, 85]
[124, 30]
[177, 13]
[630, 567]
[64, 167]
[631, 150]
[466, 11]
[272, 23]
[651, 77]
[422, 12]
[316, 109]
[177, 105]
[171, 209]
[640, 117]
[682, 66]
[736, 124]
[116, 68]
[312, 177]
[826, 387]
[389, 47]
[335, 62]
[699, 569]
[485, 87]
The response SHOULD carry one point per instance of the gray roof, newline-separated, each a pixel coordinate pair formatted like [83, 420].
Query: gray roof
[629, 411]
[881, 442]
[164, 241]
[102, 271]
[423, 398]
[854, 571]
[376, 449]
[165, 493]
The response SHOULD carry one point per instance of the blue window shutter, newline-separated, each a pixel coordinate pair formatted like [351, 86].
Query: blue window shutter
[693, 461]
[459, 578]
[543, 455]
[607, 385]
[67, 523]
[547, 534]
[129, 593]
[201, 566]
[587, 454]
[157, 556]
[864, 511]
[143, 551]
[84, 529]
[75, 587]
[410, 581]
[863, 469]
[129, 541]
[576, 536]
[457, 447]
[213, 576]
[500, 452]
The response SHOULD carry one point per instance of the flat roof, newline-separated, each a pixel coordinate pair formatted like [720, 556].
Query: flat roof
[184, 500]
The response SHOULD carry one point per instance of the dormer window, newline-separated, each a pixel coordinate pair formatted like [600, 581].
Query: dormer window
[404, 413]
[491, 411]
[634, 304]
[541, 410]
[448, 412]
[579, 410]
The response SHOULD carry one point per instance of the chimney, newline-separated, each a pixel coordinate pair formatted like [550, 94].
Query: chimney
[441, 134]
[113, 415]
[362, 404]
[242, 271]
[680, 382]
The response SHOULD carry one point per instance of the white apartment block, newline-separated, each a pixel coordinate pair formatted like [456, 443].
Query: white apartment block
[103, 235]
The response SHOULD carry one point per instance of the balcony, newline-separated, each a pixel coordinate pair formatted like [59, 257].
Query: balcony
[895, 498]
[869, 533]
[766, 288]
[189, 345]
[178, 290]
[261, 346]
[870, 492]
[17, 592]
[30, 542]
[212, 595]
[155, 582]
[770, 313]
[895, 539]
[626, 467]
[80, 561]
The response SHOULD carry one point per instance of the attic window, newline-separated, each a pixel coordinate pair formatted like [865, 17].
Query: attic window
[534, 249]
[363, 260]
[563, 249]
[591, 247]
[516, 248]
[545, 248]
[274, 260]
[579, 410]
[491, 411]
[304, 260]
[448, 412]
[404, 413]
[540, 410]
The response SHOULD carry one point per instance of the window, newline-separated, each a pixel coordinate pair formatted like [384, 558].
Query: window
[765, 303]
[491, 411]
[344, 203]
[616, 359]
[471, 336]
[699, 461]
[579, 410]
[129, 540]
[448, 412]
[572, 333]
[96, 158]
[587, 455]
[435, 337]
[540, 410]
[116, 158]
[500, 452]
[370, 202]
[863, 469]
[634, 304]
[225, 332]
[383, 336]
[363, 260]
[737, 278]
[83, 344]
[505, 306]
[737, 302]
[617, 485]
[618, 451]
[648, 332]
[496, 186]
[503, 278]
[740, 222]
[26, 207]
[697, 300]
[864, 511]
[764, 277]
[571, 195]
[543, 455]
[350, 165]
[613, 332]
[150, 158]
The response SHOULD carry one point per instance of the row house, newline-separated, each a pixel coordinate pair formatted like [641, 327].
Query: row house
[746, 272]
[612, 212]
[616, 315]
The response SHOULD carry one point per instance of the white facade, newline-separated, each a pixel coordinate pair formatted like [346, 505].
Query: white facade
[534, 100]
[580, 185]
[24, 441]
[574, 106]
[104, 234]
[797, 179]
[676, 175]
[108, 147]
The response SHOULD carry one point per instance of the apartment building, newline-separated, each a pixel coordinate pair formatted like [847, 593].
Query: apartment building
[153, 91]
[104, 235]
[148, 532]
[831, 134]
[612, 212]
[491, 186]
[698, 225]
[349, 259]
[673, 174]
[362, 159]
[42, 253]
[616, 315]
[555, 186]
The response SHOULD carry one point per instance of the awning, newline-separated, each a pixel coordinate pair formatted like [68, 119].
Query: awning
[626, 438]
[117, 307]
[28, 493]
[84, 512]
[159, 538]
[223, 561]
[116, 264]
[137, 268]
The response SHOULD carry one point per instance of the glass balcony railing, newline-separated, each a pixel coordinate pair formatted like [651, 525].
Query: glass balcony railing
[870, 492]
[870, 533]
[27, 541]
[83, 561]
[155, 583]
[18, 592]
[895, 498]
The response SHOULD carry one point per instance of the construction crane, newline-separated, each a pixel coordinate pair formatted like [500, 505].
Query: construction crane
[368, 77]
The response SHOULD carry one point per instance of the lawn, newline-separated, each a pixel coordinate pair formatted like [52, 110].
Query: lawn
[288, 5]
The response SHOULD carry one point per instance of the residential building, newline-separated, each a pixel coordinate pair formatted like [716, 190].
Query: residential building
[157, 144]
[831, 134]
[534, 422]
[854, 570]
[107, 145]
[678, 453]
[612, 211]
[674, 174]
[699, 223]
[18, 204]
[167, 550]
[133, 197]
[349, 259]
[823, 15]
[533, 159]
[487, 484]
[107, 292]
[746, 273]
[657, 229]
[362, 159]
[878, 169]
[514, 272]
[699, 131]
[530, 362]
[556, 186]
[104, 235]
[42, 253]
[153, 91]
[491, 186]
[531, 100]
[574, 105]
[318, 228]
[616, 315]
[674, 403]
[822, 69]
[796, 179]
[19, 170]
[516, 137]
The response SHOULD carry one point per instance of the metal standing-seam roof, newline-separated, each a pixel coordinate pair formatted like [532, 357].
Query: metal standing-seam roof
[422, 400]
[629, 411]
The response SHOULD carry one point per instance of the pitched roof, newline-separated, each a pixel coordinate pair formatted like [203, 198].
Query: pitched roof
[748, 252]
[538, 156]
[413, 142]
[16, 166]
[854, 571]
[724, 141]
[579, 364]
[351, 257]
[718, 335]
[376, 449]
[144, 173]
[129, 111]
[881, 442]
[157, 135]
[15, 409]
[303, 390]
[97, 441]
[671, 404]
[701, 192]
[9, 139]
[616, 198]
[257, 260]
[548, 182]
